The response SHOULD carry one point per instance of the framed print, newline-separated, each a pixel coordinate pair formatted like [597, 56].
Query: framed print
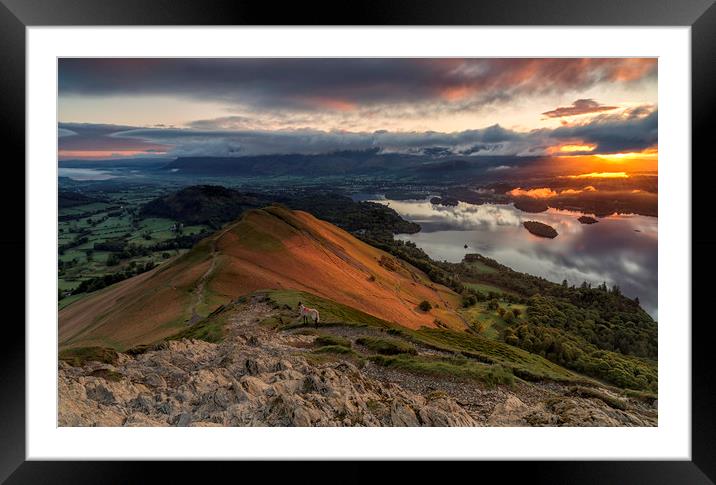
[431, 234]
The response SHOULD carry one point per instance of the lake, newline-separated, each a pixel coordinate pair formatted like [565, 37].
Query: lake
[85, 174]
[619, 249]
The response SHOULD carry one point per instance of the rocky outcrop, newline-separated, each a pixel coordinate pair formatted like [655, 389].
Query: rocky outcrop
[563, 411]
[255, 378]
[259, 376]
[257, 391]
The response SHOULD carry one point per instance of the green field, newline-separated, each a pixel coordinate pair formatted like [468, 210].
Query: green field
[115, 220]
[481, 267]
[488, 288]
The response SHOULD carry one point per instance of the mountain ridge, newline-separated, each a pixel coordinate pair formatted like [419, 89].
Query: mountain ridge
[272, 247]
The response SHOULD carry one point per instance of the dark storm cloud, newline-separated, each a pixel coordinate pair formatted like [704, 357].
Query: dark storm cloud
[344, 84]
[482, 147]
[310, 141]
[579, 107]
[609, 134]
[614, 135]
[88, 137]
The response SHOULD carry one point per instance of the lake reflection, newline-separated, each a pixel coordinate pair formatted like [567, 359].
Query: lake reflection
[620, 249]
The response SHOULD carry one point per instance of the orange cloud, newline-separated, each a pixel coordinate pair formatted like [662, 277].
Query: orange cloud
[633, 69]
[456, 93]
[541, 193]
[334, 104]
[547, 193]
[337, 104]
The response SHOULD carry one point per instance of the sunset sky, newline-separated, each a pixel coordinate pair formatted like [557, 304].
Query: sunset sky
[111, 108]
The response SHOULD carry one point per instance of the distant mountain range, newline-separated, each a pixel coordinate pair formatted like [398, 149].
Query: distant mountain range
[344, 163]
[458, 175]
[362, 163]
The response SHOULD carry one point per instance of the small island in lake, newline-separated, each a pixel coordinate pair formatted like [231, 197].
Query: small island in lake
[587, 220]
[540, 229]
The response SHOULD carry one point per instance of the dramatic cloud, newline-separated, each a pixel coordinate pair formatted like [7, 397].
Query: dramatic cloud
[602, 136]
[613, 135]
[283, 105]
[579, 107]
[345, 85]
[539, 193]
[227, 143]
[547, 193]
[100, 141]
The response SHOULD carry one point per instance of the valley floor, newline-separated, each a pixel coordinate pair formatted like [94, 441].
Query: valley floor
[263, 376]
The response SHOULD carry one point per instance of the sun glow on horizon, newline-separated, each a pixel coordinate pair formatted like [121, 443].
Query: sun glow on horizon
[572, 148]
[599, 175]
[629, 156]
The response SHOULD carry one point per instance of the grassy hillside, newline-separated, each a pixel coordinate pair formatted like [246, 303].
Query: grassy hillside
[595, 331]
[477, 308]
[110, 237]
[272, 248]
[524, 364]
[465, 354]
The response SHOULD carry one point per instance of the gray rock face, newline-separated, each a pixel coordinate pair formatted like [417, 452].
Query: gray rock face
[184, 419]
[99, 392]
[237, 383]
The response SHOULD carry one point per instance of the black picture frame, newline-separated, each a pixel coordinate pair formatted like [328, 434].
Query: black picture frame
[16, 15]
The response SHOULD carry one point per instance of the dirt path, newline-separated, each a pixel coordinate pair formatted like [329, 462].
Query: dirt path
[201, 285]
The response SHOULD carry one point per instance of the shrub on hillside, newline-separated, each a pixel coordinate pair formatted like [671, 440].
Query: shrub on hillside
[469, 300]
[425, 306]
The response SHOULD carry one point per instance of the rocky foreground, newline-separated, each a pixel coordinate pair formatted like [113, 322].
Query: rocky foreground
[259, 376]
